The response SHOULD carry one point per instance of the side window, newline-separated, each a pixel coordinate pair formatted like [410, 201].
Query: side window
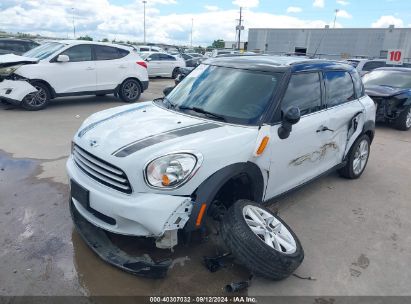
[166, 57]
[107, 52]
[304, 92]
[339, 87]
[122, 53]
[155, 57]
[143, 49]
[358, 85]
[371, 65]
[79, 53]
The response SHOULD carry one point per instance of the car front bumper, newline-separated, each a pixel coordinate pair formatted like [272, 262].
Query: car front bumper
[136, 214]
[13, 91]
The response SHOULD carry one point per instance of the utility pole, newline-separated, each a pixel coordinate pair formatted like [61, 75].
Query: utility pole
[335, 17]
[144, 3]
[74, 27]
[191, 36]
[240, 27]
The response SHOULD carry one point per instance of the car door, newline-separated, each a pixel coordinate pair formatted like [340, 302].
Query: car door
[168, 63]
[76, 75]
[110, 66]
[345, 110]
[154, 65]
[298, 158]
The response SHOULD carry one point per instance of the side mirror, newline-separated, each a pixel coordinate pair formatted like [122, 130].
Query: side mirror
[167, 90]
[63, 58]
[148, 59]
[291, 117]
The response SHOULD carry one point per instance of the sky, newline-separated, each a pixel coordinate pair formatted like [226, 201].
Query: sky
[170, 21]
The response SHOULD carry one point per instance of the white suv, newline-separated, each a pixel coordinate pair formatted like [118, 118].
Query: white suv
[235, 133]
[69, 68]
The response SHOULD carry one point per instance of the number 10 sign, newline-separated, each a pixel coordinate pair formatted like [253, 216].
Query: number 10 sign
[395, 57]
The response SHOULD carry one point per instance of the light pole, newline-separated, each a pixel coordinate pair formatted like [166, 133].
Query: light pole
[335, 17]
[191, 36]
[144, 3]
[74, 27]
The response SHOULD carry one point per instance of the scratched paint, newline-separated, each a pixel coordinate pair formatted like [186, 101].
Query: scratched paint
[316, 155]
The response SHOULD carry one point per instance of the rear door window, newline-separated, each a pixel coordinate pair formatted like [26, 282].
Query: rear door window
[304, 92]
[339, 88]
[166, 57]
[371, 65]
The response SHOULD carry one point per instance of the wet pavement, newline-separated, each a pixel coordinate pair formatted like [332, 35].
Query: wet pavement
[355, 233]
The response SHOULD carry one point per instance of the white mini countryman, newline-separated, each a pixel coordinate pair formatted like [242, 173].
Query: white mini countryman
[235, 133]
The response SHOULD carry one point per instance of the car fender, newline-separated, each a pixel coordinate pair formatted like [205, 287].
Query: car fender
[208, 189]
[15, 90]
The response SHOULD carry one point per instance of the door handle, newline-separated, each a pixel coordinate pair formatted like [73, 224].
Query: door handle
[323, 129]
[89, 68]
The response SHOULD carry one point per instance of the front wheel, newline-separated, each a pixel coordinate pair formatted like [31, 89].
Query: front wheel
[261, 241]
[37, 100]
[403, 122]
[357, 158]
[130, 91]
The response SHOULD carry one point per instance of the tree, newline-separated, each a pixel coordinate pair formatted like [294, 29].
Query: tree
[104, 40]
[218, 44]
[87, 37]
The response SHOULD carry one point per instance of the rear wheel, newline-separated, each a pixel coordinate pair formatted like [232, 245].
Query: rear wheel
[37, 100]
[130, 91]
[175, 73]
[357, 158]
[403, 122]
[261, 241]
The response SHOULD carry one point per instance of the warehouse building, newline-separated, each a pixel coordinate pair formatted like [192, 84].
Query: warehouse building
[332, 43]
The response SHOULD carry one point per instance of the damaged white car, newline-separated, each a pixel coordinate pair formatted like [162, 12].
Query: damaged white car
[71, 68]
[234, 134]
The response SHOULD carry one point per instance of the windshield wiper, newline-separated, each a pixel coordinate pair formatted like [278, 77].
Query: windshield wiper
[202, 111]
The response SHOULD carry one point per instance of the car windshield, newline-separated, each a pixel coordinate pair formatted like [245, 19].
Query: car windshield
[396, 79]
[44, 50]
[228, 94]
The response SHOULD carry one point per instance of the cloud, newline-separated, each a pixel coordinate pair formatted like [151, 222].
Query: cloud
[294, 9]
[53, 18]
[319, 3]
[343, 2]
[344, 14]
[386, 21]
[246, 3]
[211, 8]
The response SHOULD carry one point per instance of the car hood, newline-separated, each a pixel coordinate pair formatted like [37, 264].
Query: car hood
[383, 91]
[11, 59]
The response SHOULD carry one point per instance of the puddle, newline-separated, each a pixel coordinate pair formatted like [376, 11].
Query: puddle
[42, 254]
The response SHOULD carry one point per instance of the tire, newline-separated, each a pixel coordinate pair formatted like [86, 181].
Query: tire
[101, 95]
[37, 100]
[252, 251]
[403, 122]
[130, 90]
[348, 171]
[175, 73]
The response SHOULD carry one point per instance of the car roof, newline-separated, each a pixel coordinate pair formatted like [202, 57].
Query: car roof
[78, 42]
[17, 39]
[397, 69]
[277, 63]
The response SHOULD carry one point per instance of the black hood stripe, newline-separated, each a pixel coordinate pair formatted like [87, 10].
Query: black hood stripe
[155, 139]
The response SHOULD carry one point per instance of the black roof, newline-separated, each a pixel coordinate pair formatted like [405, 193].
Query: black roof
[277, 63]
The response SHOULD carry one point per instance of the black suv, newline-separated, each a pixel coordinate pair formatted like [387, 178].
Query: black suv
[16, 46]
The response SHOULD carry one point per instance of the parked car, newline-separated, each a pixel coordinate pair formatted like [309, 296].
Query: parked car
[148, 48]
[182, 73]
[192, 59]
[365, 66]
[71, 68]
[16, 46]
[390, 88]
[237, 132]
[162, 64]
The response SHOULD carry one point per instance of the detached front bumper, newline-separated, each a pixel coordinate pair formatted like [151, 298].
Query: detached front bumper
[98, 241]
[13, 91]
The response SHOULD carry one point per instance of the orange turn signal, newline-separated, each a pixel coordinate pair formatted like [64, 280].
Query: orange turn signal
[263, 145]
[165, 180]
[201, 214]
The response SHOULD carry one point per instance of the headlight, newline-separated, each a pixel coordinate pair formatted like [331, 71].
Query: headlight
[9, 70]
[171, 171]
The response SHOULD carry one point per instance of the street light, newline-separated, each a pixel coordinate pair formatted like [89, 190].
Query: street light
[191, 36]
[335, 17]
[74, 27]
[144, 3]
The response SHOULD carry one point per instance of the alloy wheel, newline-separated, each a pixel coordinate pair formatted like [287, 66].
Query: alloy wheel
[131, 90]
[360, 157]
[37, 99]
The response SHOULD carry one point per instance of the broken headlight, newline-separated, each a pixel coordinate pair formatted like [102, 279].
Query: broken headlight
[9, 70]
[171, 171]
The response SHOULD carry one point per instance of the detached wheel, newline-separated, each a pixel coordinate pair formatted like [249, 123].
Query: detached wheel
[261, 241]
[130, 91]
[403, 122]
[37, 100]
[357, 158]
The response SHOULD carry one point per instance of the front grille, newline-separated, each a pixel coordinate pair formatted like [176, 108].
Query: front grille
[101, 171]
